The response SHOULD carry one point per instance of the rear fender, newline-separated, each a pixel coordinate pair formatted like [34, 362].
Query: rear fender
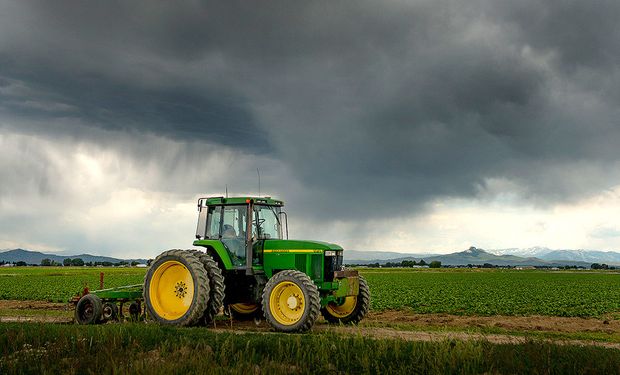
[218, 252]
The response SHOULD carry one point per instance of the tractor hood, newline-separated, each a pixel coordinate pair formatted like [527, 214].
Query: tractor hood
[299, 245]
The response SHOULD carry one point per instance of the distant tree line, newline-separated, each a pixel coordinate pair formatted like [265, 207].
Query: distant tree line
[403, 264]
[68, 262]
[489, 265]
[78, 262]
[48, 263]
[437, 264]
[596, 266]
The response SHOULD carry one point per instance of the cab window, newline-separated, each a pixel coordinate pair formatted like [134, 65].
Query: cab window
[266, 224]
[214, 221]
[228, 224]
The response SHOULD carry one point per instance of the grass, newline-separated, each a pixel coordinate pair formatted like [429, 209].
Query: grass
[147, 349]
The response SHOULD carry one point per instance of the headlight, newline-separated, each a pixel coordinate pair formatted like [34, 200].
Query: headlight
[330, 253]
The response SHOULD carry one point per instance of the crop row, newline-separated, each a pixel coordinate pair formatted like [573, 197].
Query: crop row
[497, 292]
[58, 284]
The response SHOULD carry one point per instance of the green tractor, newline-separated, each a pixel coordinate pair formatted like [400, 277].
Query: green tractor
[251, 268]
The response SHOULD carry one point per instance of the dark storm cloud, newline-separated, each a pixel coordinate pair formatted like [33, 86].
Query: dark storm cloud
[581, 32]
[117, 105]
[363, 101]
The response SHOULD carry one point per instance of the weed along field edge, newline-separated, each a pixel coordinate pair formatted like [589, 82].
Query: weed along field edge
[147, 349]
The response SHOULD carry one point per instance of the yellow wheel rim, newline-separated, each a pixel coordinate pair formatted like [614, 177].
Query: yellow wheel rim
[171, 290]
[287, 303]
[343, 310]
[244, 308]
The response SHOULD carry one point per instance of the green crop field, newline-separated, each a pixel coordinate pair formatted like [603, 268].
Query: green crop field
[467, 292]
[496, 292]
[58, 284]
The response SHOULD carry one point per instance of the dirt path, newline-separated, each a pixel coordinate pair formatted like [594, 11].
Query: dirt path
[35, 311]
[381, 333]
[37, 319]
[31, 305]
[387, 324]
[408, 335]
[392, 324]
[512, 323]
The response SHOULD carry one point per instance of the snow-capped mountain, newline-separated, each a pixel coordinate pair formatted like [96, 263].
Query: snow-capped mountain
[532, 252]
[592, 256]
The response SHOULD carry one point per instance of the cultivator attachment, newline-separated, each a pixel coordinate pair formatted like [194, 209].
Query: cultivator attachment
[101, 306]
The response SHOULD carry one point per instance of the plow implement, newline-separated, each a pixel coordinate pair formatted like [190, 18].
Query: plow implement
[104, 305]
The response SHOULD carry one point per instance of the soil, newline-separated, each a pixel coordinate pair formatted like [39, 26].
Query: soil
[512, 323]
[31, 305]
[35, 311]
[386, 324]
[369, 328]
[382, 333]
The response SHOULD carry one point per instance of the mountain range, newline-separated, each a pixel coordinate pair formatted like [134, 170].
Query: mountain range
[504, 257]
[35, 257]
[535, 256]
[592, 256]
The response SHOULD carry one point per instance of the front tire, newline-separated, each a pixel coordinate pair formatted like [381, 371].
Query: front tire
[291, 301]
[352, 309]
[176, 288]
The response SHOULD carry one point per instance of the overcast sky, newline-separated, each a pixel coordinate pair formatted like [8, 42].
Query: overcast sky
[413, 126]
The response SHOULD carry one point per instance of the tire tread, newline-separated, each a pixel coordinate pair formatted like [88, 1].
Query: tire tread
[313, 300]
[361, 309]
[201, 285]
[216, 284]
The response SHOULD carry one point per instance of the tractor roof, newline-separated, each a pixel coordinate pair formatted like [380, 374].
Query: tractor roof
[212, 201]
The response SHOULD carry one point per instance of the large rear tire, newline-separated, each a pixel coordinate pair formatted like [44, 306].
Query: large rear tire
[216, 286]
[351, 309]
[176, 288]
[291, 301]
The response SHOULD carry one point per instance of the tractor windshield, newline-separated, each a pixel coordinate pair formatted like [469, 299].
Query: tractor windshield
[266, 224]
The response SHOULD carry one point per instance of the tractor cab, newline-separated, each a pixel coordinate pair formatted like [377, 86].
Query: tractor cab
[241, 225]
